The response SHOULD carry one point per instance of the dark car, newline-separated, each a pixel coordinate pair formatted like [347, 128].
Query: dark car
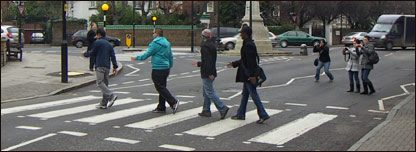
[224, 32]
[79, 39]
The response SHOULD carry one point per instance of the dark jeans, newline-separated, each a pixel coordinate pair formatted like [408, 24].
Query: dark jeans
[250, 89]
[326, 69]
[364, 75]
[354, 75]
[92, 62]
[159, 78]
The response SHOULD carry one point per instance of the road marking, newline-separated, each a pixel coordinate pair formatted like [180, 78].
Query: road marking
[381, 105]
[73, 133]
[112, 85]
[121, 92]
[29, 127]
[246, 142]
[262, 101]
[136, 86]
[144, 80]
[128, 82]
[175, 147]
[388, 54]
[287, 132]
[79, 109]
[296, 104]
[233, 96]
[135, 70]
[212, 129]
[120, 114]
[29, 142]
[376, 111]
[195, 71]
[95, 91]
[122, 140]
[178, 134]
[168, 119]
[377, 118]
[210, 138]
[184, 73]
[150, 94]
[406, 92]
[184, 96]
[116, 127]
[47, 104]
[333, 107]
[173, 75]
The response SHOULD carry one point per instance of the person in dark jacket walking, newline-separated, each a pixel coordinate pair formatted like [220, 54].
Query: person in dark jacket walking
[366, 67]
[324, 60]
[246, 73]
[162, 62]
[208, 74]
[103, 51]
[91, 38]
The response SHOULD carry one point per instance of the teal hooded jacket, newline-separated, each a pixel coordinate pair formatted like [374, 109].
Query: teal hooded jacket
[162, 57]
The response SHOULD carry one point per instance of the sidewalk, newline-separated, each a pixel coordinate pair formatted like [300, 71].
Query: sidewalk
[396, 133]
[38, 75]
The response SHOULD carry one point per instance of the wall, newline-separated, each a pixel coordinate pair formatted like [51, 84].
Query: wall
[71, 28]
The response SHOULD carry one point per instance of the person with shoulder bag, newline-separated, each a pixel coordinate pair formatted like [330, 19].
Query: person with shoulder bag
[323, 61]
[353, 65]
[246, 73]
[366, 66]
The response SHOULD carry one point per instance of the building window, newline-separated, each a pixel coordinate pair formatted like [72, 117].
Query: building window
[210, 7]
[93, 4]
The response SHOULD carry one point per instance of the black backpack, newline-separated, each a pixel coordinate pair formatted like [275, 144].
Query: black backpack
[373, 58]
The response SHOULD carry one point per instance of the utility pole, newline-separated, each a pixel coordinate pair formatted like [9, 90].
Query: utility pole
[64, 47]
[134, 38]
[218, 25]
[192, 31]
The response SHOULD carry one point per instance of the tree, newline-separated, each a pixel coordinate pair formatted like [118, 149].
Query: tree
[231, 12]
[326, 11]
[144, 12]
[168, 8]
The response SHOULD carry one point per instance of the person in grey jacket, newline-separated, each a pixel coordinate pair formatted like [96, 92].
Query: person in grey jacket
[208, 74]
[353, 65]
[366, 67]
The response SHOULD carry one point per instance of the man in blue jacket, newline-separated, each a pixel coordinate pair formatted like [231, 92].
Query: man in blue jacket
[162, 61]
[103, 51]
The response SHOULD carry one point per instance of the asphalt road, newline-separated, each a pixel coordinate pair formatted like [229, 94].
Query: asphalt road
[305, 115]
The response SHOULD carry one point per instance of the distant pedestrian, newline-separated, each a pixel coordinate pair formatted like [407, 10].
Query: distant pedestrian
[162, 61]
[366, 67]
[103, 51]
[91, 37]
[324, 60]
[353, 65]
[246, 73]
[208, 74]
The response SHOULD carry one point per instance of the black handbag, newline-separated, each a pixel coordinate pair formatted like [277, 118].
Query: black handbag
[316, 62]
[260, 75]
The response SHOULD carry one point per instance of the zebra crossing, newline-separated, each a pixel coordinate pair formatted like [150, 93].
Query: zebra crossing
[276, 136]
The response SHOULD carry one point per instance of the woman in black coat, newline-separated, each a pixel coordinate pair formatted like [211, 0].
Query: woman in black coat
[324, 60]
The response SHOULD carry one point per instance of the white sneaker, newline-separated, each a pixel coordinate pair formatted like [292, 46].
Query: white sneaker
[111, 102]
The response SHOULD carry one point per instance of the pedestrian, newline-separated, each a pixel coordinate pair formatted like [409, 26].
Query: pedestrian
[353, 65]
[103, 51]
[208, 74]
[324, 60]
[246, 73]
[162, 62]
[91, 37]
[366, 67]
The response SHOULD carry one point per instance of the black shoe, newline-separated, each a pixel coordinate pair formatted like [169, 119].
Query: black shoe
[175, 106]
[238, 118]
[205, 114]
[372, 92]
[351, 88]
[261, 120]
[225, 113]
[158, 111]
[365, 93]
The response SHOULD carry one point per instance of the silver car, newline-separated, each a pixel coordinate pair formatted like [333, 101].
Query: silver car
[11, 33]
[229, 42]
[37, 38]
[350, 37]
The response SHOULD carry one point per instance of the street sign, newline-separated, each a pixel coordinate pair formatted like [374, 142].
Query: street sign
[128, 40]
[21, 9]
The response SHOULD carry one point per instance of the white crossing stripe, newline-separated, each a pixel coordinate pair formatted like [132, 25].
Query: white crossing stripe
[150, 94]
[184, 96]
[73, 133]
[220, 127]
[128, 141]
[47, 104]
[120, 114]
[29, 127]
[333, 107]
[74, 110]
[121, 92]
[168, 119]
[296, 104]
[175, 147]
[294, 129]
[29, 142]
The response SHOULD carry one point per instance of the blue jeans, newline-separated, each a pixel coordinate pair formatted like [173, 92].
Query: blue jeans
[210, 95]
[326, 69]
[354, 75]
[250, 89]
[364, 75]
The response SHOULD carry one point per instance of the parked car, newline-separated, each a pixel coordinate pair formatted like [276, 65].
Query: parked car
[351, 37]
[224, 32]
[295, 38]
[229, 42]
[12, 33]
[393, 31]
[79, 39]
[37, 38]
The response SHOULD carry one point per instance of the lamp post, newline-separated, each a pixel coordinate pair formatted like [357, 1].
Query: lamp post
[192, 31]
[64, 47]
[134, 42]
[154, 19]
[105, 8]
